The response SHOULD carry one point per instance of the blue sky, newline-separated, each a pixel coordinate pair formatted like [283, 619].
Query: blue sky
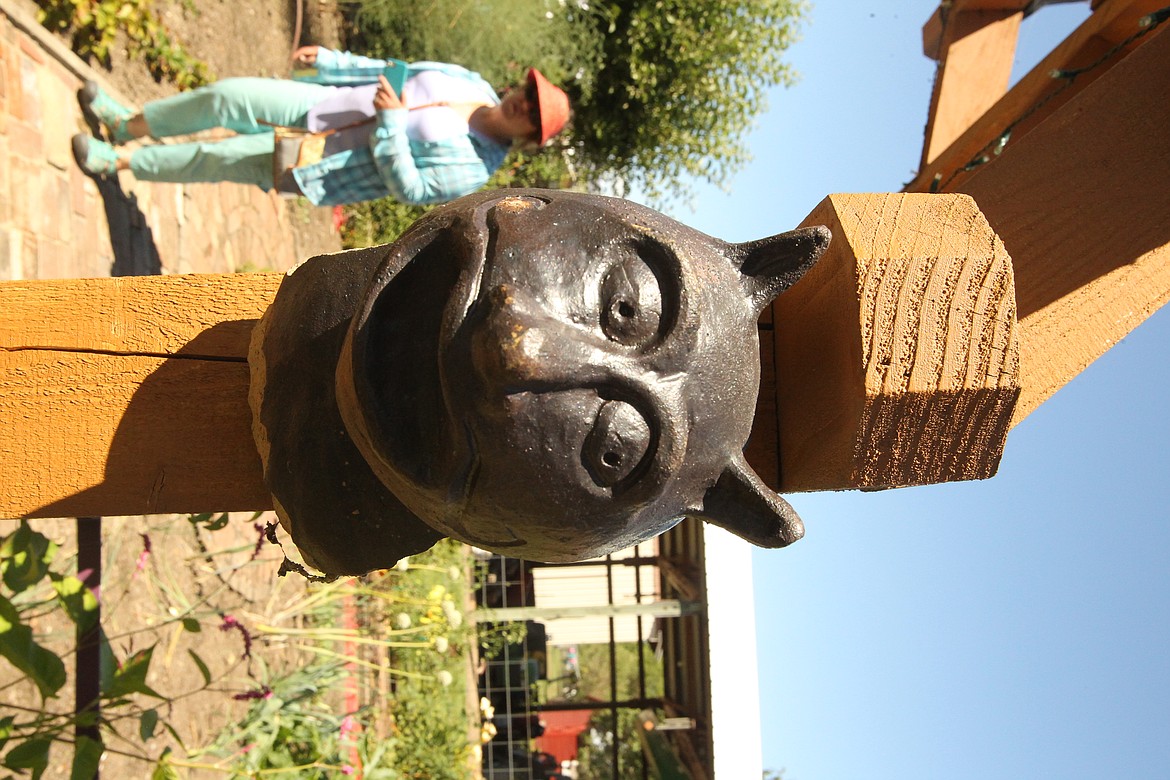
[1017, 627]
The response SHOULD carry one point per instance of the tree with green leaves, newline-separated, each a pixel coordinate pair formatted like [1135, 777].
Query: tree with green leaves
[677, 87]
[663, 91]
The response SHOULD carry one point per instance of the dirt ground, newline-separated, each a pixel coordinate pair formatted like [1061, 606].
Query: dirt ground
[191, 571]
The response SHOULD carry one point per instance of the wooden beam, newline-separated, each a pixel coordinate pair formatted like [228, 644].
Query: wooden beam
[932, 31]
[1083, 206]
[1037, 95]
[137, 406]
[975, 50]
[896, 355]
[900, 345]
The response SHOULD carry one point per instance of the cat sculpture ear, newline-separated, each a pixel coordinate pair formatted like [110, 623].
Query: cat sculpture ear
[772, 265]
[741, 503]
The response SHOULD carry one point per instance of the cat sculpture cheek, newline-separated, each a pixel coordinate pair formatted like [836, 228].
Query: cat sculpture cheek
[556, 376]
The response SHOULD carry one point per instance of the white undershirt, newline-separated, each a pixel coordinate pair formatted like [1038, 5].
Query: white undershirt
[347, 105]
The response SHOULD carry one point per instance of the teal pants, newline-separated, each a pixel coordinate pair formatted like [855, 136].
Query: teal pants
[235, 104]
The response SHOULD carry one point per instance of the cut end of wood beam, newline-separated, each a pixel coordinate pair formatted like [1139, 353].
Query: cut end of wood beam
[896, 359]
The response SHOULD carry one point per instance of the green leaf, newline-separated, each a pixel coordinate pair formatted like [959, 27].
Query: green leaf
[78, 601]
[192, 625]
[107, 662]
[87, 754]
[131, 677]
[5, 729]
[25, 556]
[41, 666]
[163, 769]
[33, 754]
[147, 724]
[209, 521]
[203, 670]
[171, 730]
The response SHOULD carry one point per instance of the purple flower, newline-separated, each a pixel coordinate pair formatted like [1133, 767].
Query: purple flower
[262, 533]
[260, 693]
[229, 623]
[142, 556]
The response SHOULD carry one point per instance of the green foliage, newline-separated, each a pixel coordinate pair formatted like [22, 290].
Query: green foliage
[25, 557]
[430, 734]
[31, 754]
[87, 755]
[662, 90]
[593, 661]
[378, 221]
[129, 677]
[410, 614]
[500, 39]
[94, 26]
[288, 727]
[26, 562]
[595, 753]
[677, 86]
[17, 645]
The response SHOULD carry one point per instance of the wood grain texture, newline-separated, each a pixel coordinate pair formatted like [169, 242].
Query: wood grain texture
[894, 365]
[128, 396]
[975, 55]
[151, 315]
[1037, 95]
[896, 356]
[1083, 206]
[761, 449]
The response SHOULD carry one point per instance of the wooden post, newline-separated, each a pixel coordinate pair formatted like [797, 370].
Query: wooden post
[1029, 102]
[128, 396]
[974, 45]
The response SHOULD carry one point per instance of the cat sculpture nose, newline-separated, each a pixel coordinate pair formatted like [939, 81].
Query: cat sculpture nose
[521, 346]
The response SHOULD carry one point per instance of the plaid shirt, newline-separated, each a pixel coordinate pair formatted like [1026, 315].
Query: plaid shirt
[411, 171]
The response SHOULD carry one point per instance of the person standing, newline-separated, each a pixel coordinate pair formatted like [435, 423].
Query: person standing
[442, 138]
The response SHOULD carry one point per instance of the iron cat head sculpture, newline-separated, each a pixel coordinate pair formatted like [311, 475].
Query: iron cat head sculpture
[555, 376]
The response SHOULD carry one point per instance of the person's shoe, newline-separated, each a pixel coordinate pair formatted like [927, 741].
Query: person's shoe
[101, 110]
[97, 158]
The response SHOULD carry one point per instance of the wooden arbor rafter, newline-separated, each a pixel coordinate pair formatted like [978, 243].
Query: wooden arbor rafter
[971, 106]
[1078, 193]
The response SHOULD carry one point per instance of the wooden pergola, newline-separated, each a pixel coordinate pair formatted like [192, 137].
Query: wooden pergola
[1033, 239]
[940, 316]
[909, 351]
[1035, 236]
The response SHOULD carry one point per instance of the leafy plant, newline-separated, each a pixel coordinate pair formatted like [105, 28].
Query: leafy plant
[94, 25]
[407, 625]
[32, 583]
